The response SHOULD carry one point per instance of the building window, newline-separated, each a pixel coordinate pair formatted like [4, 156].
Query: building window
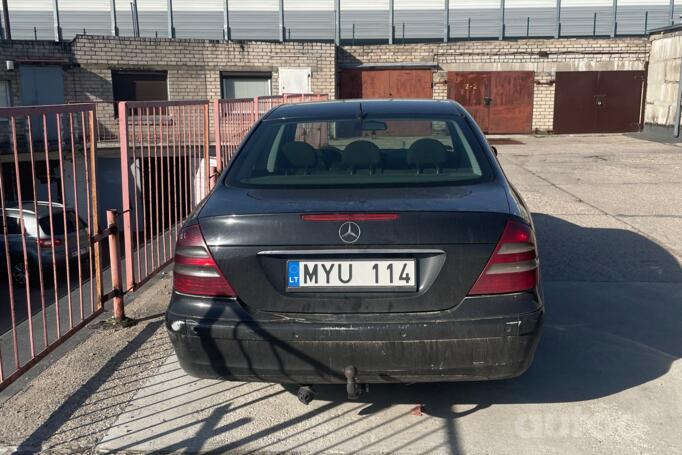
[245, 85]
[140, 85]
[5, 94]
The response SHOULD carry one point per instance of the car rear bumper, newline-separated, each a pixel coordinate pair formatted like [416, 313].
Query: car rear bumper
[386, 348]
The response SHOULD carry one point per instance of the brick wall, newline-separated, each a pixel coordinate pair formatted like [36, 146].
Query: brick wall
[193, 66]
[543, 56]
[27, 52]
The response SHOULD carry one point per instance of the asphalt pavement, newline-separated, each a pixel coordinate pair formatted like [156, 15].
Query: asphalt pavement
[606, 378]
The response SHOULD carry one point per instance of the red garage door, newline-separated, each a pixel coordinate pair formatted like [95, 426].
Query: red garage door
[598, 101]
[385, 83]
[500, 101]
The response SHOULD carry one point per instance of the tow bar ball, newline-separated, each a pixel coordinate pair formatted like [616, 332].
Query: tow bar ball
[352, 387]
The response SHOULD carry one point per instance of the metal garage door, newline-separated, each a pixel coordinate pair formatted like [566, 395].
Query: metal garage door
[386, 83]
[598, 101]
[500, 101]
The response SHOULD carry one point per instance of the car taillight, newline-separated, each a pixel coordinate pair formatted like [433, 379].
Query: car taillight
[513, 267]
[48, 243]
[195, 272]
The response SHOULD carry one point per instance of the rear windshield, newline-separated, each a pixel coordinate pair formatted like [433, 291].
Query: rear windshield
[369, 152]
[72, 222]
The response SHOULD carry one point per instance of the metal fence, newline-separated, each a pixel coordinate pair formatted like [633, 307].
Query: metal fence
[234, 118]
[165, 165]
[50, 216]
[49, 244]
[343, 22]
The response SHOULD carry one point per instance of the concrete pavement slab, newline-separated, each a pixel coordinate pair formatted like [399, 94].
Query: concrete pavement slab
[604, 380]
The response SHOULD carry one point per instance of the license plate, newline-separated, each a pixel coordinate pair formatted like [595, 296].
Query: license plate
[355, 275]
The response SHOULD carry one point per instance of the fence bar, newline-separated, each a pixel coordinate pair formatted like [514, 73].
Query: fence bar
[171, 25]
[125, 191]
[614, 29]
[594, 24]
[5, 20]
[557, 20]
[391, 23]
[115, 258]
[38, 246]
[337, 22]
[114, 22]
[226, 21]
[282, 29]
[207, 156]
[671, 9]
[55, 20]
[217, 130]
[446, 21]
[51, 230]
[502, 2]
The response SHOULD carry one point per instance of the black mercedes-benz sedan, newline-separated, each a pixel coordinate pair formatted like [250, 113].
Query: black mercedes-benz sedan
[356, 242]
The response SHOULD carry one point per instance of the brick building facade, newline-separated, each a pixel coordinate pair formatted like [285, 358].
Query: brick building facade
[194, 67]
[544, 57]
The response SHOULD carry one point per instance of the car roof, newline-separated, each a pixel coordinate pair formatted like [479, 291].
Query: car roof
[28, 207]
[349, 109]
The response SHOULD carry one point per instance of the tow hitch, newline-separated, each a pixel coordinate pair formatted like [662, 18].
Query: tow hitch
[353, 389]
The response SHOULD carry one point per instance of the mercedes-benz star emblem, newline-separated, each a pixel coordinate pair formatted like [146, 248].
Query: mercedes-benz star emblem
[349, 232]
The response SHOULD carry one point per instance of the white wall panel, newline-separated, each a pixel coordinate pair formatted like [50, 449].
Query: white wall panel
[254, 5]
[364, 5]
[309, 5]
[198, 5]
[474, 4]
[419, 5]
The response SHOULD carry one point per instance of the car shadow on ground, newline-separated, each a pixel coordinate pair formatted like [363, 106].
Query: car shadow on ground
[612, 323]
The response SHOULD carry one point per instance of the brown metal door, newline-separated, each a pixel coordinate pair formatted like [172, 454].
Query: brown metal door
[355, 83]
[375, 84]
[619, 109]
[411, 84]
[472, 90]
[574, 102]
[501, 101]
[597, 101]
[511, 102]
[350, 84]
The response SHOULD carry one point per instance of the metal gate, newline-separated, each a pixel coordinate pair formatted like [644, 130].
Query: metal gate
[165, 169]
[501, 102]
[49, 244]
[598, 101]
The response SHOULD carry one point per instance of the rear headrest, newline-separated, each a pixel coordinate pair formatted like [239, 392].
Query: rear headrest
[299, 155]
[361, 154]
[330, 154]
[427, 151]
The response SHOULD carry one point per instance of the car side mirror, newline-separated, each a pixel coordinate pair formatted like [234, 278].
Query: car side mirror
[494, 150]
